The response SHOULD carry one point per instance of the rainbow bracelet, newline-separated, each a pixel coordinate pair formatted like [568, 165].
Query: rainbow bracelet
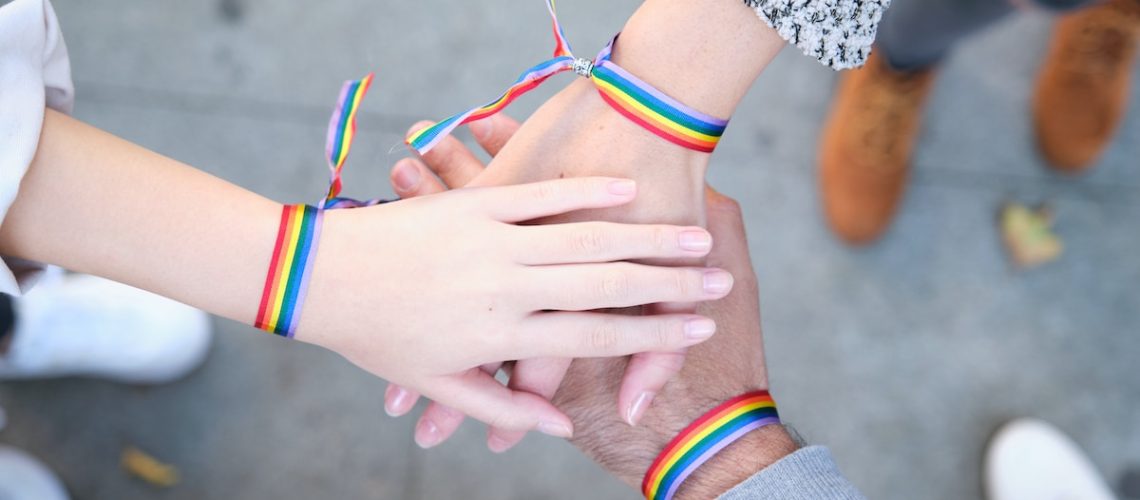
[704, 438]
[291, 266]
[628, 95]
[290, 269]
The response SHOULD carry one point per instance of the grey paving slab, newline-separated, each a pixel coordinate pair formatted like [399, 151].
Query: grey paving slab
[262, 419]
[902, 357]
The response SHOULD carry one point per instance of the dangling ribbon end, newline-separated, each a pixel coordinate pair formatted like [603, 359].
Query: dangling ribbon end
[342, 128]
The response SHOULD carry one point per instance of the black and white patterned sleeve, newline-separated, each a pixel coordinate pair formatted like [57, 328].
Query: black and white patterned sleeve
[837, 32]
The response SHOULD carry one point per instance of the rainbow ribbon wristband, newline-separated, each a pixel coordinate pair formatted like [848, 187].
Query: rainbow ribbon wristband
[290, 269]
[636, 100]
[294, 253]
[704, 438]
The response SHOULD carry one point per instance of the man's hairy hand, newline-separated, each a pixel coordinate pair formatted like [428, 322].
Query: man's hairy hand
[726, 366]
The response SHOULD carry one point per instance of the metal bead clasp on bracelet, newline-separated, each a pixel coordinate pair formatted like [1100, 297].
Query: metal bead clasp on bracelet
[583, 66]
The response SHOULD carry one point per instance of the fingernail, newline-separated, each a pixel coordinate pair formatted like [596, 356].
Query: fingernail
[482, 129]
[695, 240]
[554, 429]
[699, 329]
[718, 282]
[406, 176]
[394, 403]
[497, 444]
[637, 409]
[623, 187]
[427, 434]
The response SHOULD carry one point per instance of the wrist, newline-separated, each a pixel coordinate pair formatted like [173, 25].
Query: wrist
[738, 462]
[670, 178]
[318, 321]
[705, 53]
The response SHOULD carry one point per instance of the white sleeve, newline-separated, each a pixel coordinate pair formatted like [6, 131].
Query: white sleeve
[34, 73]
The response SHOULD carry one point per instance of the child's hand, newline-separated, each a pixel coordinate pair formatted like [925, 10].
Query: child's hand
[423, 292]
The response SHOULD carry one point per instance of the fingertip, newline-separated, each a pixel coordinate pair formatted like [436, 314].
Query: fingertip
[420, 125]
[622, 187]
[406, 176]
[482, 129]
[636, 410]
[427, 434]
[718, 282]
[696, 240]
[500, 440]
[397, 401]
[557, 428]
[497, 443]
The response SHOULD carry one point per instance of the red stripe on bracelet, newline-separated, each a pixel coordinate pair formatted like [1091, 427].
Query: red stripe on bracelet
[704, 438]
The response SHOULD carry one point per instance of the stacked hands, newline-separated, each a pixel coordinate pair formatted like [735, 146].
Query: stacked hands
[577, 262]
[535, 289]
[536, 297]
[728, 365]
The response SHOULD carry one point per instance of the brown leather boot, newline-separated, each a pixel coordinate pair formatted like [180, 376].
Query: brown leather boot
[866, 147]
[1082, 91]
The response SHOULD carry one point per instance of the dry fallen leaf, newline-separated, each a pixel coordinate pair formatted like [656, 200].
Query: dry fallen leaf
[148, 468]
[1028, 235]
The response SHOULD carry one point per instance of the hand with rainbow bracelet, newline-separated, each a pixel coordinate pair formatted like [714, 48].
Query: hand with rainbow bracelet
[366, 282]
[686, 49]
[717, 371]
[729, 368]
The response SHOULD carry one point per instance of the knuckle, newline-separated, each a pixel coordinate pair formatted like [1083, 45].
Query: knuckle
[501, 419]
[614, 285]
[590, 241]
[545, 191]
[663, 333]
[685, 283]
[661, 238]
[603, 337]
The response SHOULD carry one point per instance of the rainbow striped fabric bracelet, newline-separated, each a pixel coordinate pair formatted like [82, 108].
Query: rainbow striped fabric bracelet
[633, 98]
[290, 269]
[704, 438]
[294, 253]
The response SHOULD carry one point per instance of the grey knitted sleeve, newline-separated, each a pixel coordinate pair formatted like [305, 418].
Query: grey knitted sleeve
[808, 474]
[837, 32]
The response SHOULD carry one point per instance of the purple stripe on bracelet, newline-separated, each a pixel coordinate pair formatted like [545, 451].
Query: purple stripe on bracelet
[318, 221]
[704, 457]
[604, 60]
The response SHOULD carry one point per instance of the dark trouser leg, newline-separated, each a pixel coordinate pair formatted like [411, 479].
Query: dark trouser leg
[916, 34]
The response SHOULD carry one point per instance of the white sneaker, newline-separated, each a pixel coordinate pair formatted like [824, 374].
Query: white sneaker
[1031, 460]
[22, 477]
[88, 326]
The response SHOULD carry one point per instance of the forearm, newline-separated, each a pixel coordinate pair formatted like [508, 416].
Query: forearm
[94, 203]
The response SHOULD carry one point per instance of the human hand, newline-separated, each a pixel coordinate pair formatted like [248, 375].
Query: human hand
[512, 291]
[457, 166]
[578, 124]
[673, 45]
[729, 365]
[724, 367]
